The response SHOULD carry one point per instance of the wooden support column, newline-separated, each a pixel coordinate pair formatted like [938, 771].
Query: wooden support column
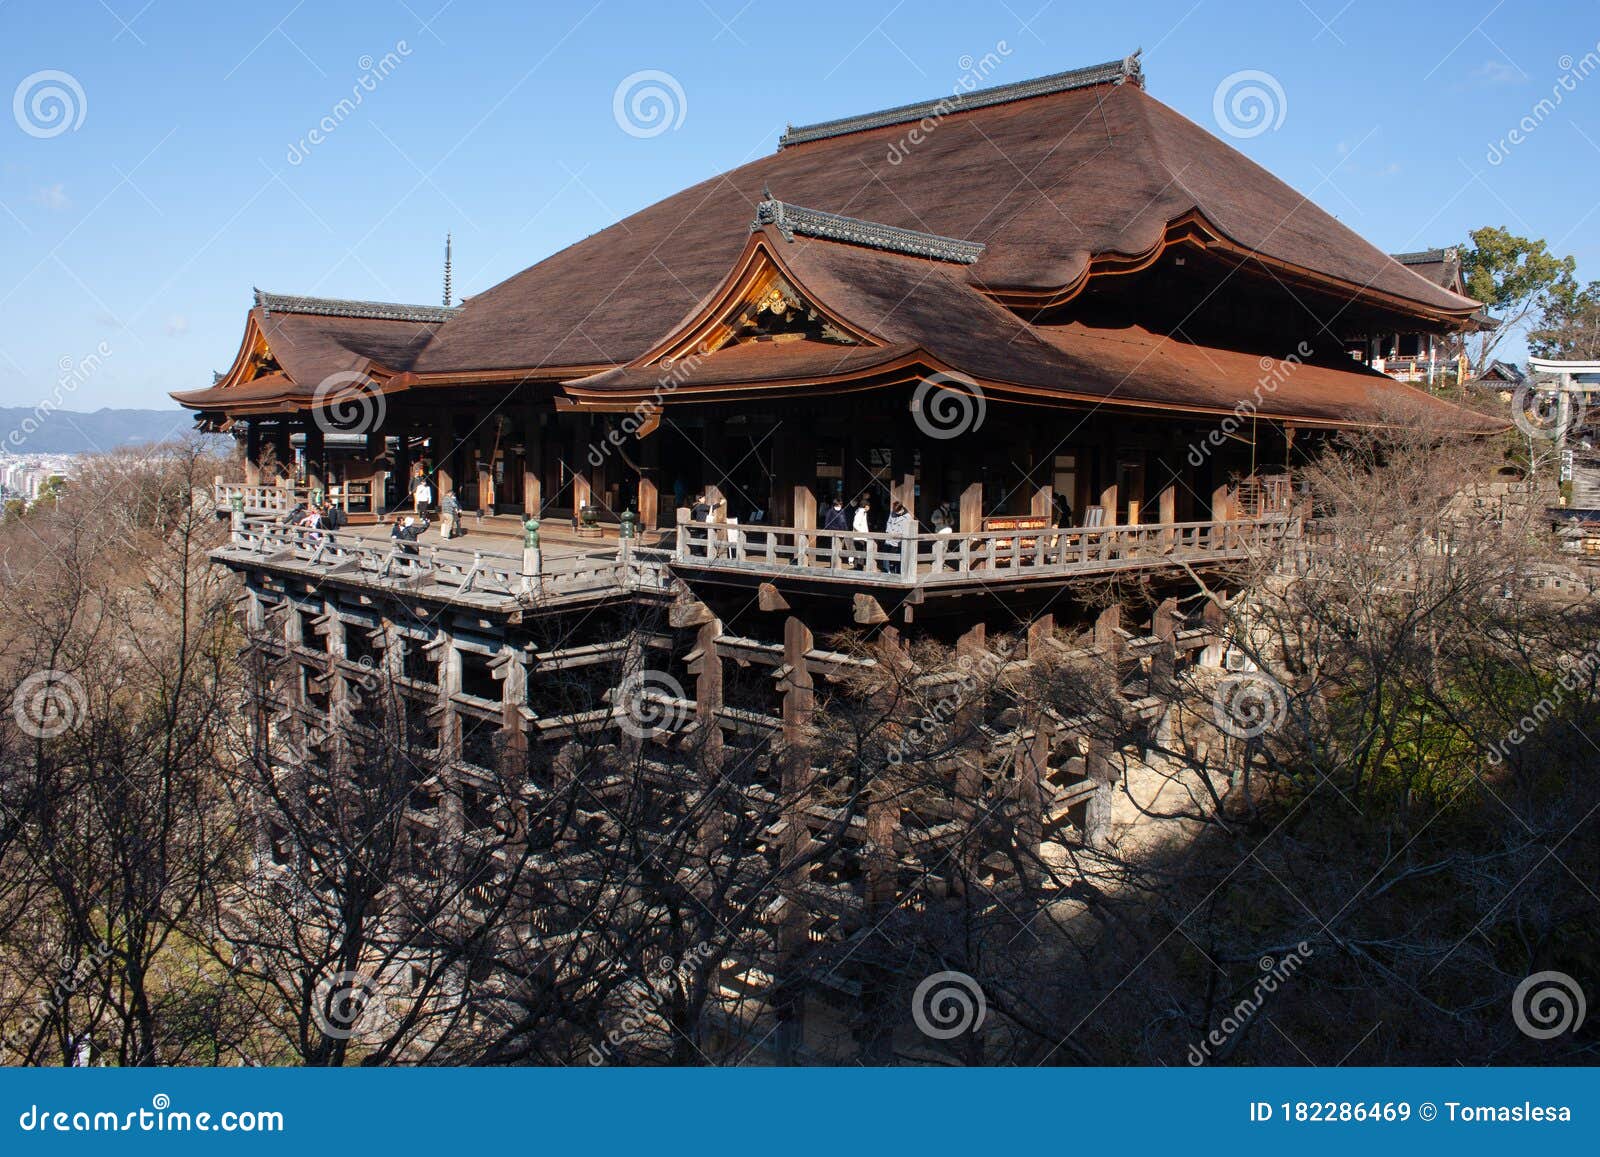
[443, 445]
[1098, 812]
[315, 451]
[488, 447]
[803, 509]
[452, 815]
[513, 675]
[282, 449]
[532, 462]
[1108, 501]
[972, 508]
[795, 774]
[378, 469]
[1168, 506]
[402, 462]
[905, 490]
[1221, 513]
[1034, 767]
[973, 647]
[1164, 668]
[710, 751]
[1043, 500]
[252, 453]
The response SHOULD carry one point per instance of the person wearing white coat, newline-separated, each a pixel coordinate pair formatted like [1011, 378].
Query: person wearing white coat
[861, 526]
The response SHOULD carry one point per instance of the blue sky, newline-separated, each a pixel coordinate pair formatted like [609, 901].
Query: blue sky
[132, 230]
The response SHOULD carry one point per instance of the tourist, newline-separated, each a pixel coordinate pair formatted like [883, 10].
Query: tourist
[862, 525]
[450, 507]
[899, 528]
[834, 518]
[423, 495]
[944, 518]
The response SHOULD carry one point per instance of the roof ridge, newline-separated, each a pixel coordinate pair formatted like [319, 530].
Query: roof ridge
[347, 307]
[1110, 72]
[791, 219]
[1426, 256]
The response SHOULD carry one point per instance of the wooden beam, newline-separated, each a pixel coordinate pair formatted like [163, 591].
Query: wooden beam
[769, 599]
[868, 611]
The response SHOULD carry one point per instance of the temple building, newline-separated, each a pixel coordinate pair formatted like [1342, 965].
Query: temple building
[1100, 278]
[1075, 335]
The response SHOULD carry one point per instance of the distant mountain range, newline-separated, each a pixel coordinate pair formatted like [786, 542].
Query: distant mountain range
[24, 431]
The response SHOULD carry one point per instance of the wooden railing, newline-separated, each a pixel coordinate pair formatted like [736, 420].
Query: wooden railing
[955, 557]
[416, 565]
[351, 497]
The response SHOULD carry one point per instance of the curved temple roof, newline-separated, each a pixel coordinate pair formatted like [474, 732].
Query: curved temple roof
[957, 211]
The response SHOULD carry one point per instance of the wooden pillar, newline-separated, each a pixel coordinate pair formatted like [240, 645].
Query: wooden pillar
[972, 646]
[1098, 812]
[252, 453]
[905, 490]
[282, 449]
[795, 796]
[532, 462]
[972, 508]
[402, 462]
[378, 466]
[488, 448]
[512, 672]
[1164, 668]
[1167, 501]
[452, 817]
[1109, 501]
[443, 445]
[706, 667]
[315, 451]
[1034, 768]
[1043, 500]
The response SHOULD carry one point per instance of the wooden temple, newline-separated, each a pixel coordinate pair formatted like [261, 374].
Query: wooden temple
[1072, 332]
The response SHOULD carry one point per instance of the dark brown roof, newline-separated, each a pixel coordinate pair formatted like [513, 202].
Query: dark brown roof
[1044, 183]
[1441, 267]
[921, 313]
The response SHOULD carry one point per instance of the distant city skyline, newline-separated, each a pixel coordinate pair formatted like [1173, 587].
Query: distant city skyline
[162, 159]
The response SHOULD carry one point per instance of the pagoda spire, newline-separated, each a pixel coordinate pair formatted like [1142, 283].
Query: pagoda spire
[447, 271]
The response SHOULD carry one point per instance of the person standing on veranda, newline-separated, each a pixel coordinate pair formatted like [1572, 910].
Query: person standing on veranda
[423, 495]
